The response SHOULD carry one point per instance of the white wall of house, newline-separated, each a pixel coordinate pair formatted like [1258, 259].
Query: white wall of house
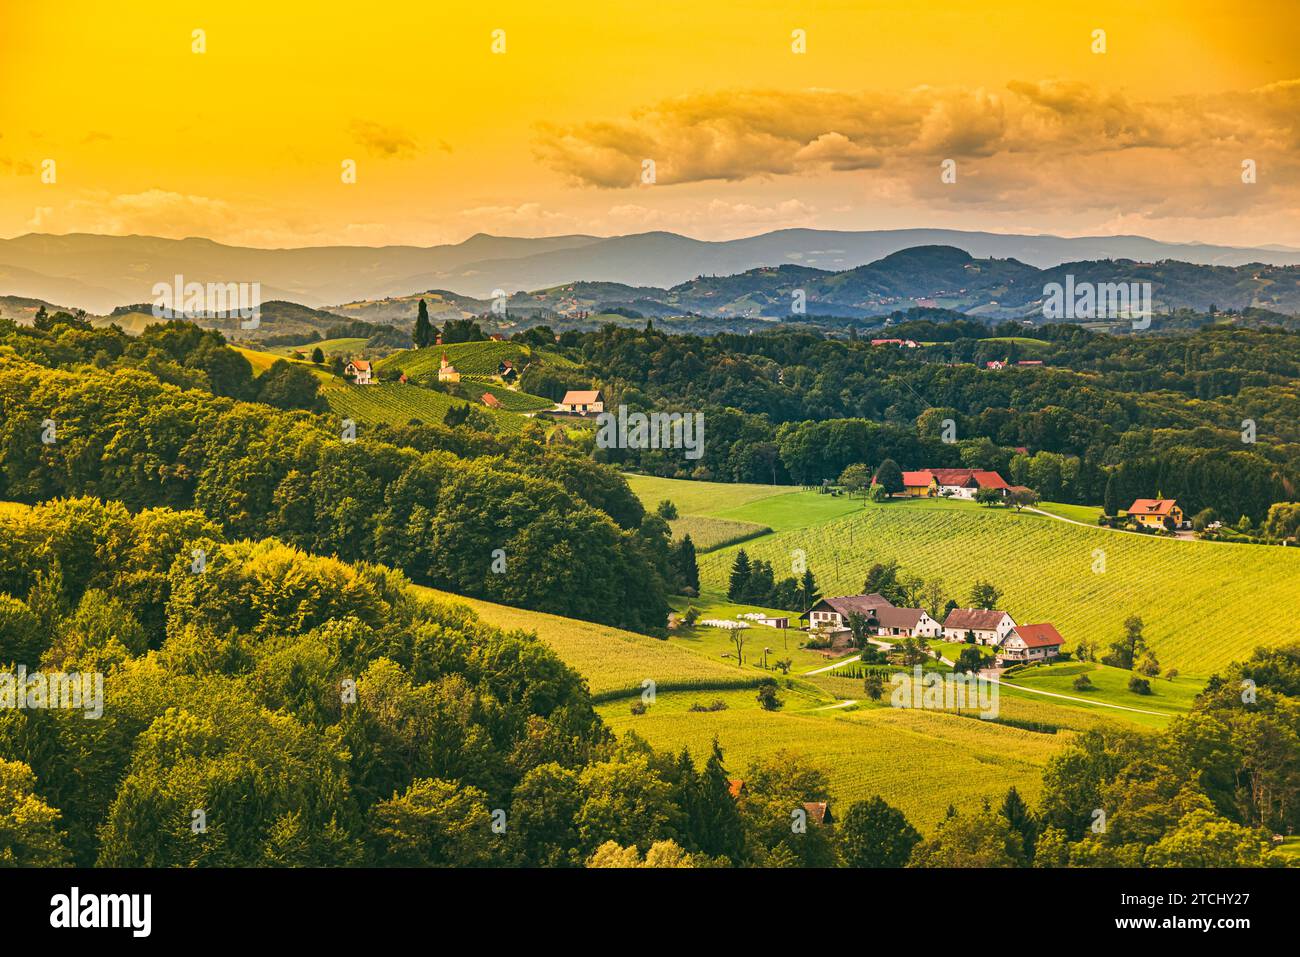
[1013, 649]
[982, 636]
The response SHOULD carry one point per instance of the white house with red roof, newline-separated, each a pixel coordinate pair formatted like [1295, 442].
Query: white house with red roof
[952, 483]
[1029, 643]
[359, 371]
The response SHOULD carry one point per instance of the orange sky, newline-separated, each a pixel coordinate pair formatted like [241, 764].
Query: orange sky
[244, 143]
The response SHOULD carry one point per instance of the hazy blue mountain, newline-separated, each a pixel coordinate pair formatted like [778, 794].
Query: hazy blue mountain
[98, 273]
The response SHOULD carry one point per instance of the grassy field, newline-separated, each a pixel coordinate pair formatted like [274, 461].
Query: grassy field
[700, 498]
[613, 661]
[260, 361]
[917, 761]
[330, 347]
[1088, 514]
[1199, 601]
[1111, 685]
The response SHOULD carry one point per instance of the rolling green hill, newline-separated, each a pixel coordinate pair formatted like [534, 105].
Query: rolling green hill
[343, 347]
[1202, 603]
[397, 404]
[614, 662]
[918, 761]
[469, 358]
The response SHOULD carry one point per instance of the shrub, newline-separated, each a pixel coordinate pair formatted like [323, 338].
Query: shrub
[1082, 683]
[1139, 685]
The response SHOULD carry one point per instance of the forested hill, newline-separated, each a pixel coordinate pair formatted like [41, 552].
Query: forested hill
[1211, 417]
[88, 412]
[934, 276]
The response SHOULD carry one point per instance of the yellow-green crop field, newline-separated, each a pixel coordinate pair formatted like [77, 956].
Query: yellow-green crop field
[612, 660]
[1203, 604]
[700, 498]
[917, 761]
[710, 533]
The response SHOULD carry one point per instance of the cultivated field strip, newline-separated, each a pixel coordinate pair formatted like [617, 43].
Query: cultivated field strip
[612, 660]
[918, 761]
[1203, 604]
[710, 533]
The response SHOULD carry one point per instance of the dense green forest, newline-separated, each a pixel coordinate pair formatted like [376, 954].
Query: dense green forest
[130, 422]
[268, 707]
[275, 693]
[1165, 413]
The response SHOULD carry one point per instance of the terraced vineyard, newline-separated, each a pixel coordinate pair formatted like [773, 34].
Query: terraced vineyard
[510, 400]
[397, 404]
[469, 358]
[1203, 603]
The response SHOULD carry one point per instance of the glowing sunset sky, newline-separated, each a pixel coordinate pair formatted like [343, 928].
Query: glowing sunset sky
[245, 143]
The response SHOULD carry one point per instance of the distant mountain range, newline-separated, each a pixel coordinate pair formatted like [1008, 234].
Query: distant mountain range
[99, 273]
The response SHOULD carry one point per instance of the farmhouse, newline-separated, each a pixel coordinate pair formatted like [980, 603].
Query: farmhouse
[906, 343]
[582, 402]
[883, 617]
[907, 622]
[359, 371]
[446, 371]
[833, 613]
[491, 401]
[984, 626]
[1041, 642]
[919, 484]
[1156, 513]
[952, 483]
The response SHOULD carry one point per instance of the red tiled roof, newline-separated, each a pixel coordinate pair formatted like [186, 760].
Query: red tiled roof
[1043, 635]
[962, 478]
[816, 810]
[573, 397]
[490, 400]
[976, 619]
[1152, 506]
[361, 365]
[923, 477]
[989, 479]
